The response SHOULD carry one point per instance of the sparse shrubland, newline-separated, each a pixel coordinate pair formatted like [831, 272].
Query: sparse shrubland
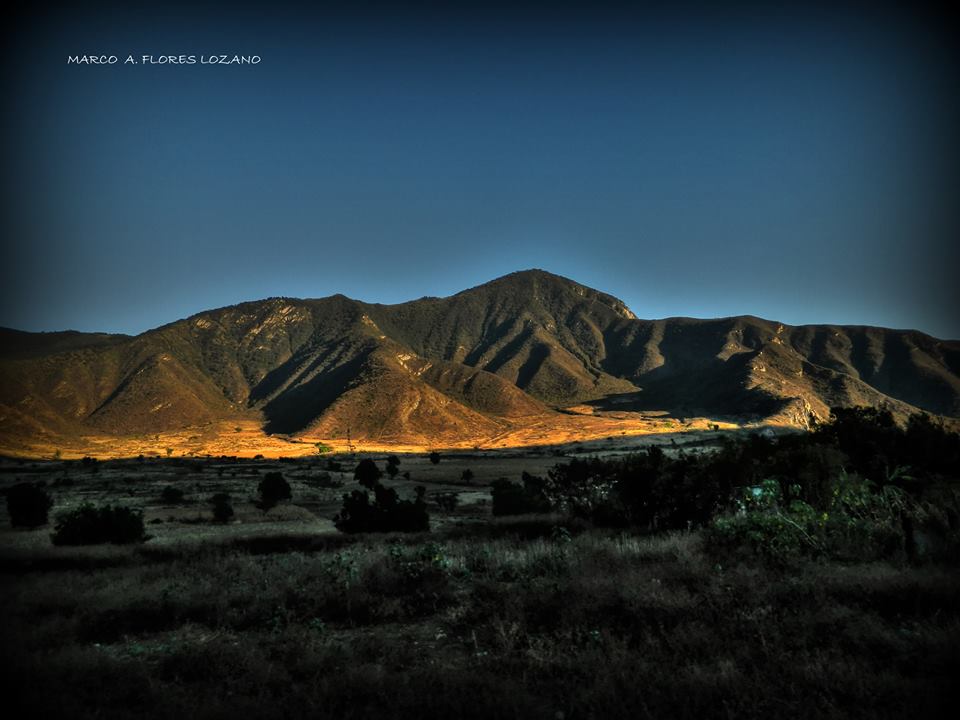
[859, 487]
[795, 577]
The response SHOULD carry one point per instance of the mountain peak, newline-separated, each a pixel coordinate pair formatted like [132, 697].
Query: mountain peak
[538, 285]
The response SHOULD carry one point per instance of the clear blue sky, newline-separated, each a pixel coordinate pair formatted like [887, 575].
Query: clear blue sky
[798, 164]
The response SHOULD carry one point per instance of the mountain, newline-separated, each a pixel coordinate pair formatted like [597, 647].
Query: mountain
[469, 366]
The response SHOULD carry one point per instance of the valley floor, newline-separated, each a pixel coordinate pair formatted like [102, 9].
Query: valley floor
[278, 615]
[246, 438]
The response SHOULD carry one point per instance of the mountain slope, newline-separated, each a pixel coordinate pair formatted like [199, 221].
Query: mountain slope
[466, 366]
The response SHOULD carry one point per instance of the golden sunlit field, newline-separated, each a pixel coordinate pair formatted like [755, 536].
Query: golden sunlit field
[246, 438]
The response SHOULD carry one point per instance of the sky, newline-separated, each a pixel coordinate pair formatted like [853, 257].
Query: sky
[797, 163]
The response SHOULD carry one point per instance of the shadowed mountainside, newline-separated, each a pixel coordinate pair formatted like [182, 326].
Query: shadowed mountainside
[465, 366]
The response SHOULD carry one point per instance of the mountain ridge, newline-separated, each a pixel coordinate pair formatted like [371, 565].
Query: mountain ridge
[471, 364]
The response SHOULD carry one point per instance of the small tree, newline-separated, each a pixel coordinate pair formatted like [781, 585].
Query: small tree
[393, 466]
[467, 475]
[435, 457]
[273, 488]
[367, 473]
[222, 509]
[28, 505]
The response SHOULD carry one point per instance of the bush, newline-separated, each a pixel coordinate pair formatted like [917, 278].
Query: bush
[172, 495]
[512, 499]
[324, 480]
[273, 488]
[89, 525]
[387, 513]
[447, 501]
[765, 526]
[434, 457]
[222, 509]
[393, 466]
[28, 505]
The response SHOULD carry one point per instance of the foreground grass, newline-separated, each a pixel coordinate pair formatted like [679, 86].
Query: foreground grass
[598, 625]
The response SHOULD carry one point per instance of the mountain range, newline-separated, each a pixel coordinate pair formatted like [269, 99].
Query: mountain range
[527, 345]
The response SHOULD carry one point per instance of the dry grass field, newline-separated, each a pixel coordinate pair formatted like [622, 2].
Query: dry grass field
[246, 438]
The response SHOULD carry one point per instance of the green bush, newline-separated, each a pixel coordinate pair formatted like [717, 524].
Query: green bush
[859, 520]
[89, 525]
[28, 505]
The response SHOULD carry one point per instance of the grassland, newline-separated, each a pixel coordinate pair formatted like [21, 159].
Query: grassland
[276, 614]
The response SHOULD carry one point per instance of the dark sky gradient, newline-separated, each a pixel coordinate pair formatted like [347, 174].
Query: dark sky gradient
[799, 165]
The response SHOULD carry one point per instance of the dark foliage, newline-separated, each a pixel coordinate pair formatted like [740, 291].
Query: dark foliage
[859, 486]
[222, 509]
[435, 457]
[510, 498]
[387, 512]
[89, 525]
[324, 480]
[367, 473]
[28, 505]
[447, 501]
[172, 495]
[273, 488]
[393, 466]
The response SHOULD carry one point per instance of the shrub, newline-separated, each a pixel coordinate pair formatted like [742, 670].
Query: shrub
[28, 505]
[765, 526]
[273, 488]
[89, 525]
[434, 457]
[324, 480]
[172, 495]
[222, 509]
[447, 501]
[466, 476]
[387, 512]
[512, 499]
[393, 466]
